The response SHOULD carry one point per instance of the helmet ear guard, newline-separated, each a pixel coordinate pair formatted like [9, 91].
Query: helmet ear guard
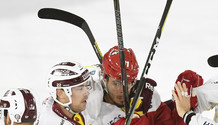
[106, 78]
[68, 92]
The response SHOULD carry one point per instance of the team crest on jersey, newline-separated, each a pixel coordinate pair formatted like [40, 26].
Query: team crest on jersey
[78, 118]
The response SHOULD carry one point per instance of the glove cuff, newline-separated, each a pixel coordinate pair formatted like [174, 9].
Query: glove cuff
[187, 116]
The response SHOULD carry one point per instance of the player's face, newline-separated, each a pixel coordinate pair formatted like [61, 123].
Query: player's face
[115, 91]
[79, 97]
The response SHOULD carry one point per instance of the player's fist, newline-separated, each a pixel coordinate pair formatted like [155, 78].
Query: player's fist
[191, 79]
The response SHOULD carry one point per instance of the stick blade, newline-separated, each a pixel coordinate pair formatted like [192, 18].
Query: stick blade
[61, 15]
[213, 61]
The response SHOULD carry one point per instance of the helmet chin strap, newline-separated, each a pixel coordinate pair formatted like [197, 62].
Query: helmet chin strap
[69, 109]
[66, 105]
[105, 87]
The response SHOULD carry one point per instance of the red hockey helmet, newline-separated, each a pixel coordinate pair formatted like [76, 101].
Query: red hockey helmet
[191, 80]
[111, 64]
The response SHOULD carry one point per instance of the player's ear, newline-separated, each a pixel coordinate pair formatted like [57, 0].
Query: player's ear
[60, 93]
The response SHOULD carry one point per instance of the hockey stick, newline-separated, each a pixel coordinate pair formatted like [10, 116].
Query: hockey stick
[121, 54]
[213, 61]
[56, 14]
[148, 62]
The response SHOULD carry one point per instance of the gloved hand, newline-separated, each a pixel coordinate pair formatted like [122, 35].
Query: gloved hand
[192, 80]
[144, 101]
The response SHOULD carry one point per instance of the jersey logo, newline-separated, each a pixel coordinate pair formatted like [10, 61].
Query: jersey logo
[77, 117]
[114, 120]
[205, 123]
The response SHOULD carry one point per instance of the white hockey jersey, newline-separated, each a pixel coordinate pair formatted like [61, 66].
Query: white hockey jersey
[198, 119]
[52, 115]
[207, 99]
[111, 113]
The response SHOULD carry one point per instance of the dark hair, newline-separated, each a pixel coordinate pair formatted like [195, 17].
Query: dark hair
[107, 77]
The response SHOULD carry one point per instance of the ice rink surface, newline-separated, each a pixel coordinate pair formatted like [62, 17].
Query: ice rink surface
[30, 46]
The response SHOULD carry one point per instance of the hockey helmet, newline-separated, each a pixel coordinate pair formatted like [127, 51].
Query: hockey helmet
[111, 64]
[20, 104]
[66, 75]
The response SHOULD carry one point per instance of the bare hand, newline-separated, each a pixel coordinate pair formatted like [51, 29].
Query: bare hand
[181, 98]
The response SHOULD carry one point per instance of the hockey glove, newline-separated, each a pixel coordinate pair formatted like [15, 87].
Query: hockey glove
[192, 80]
[144, 100]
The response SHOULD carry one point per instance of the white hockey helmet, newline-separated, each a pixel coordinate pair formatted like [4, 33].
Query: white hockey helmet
[20, 105]
[66, 75]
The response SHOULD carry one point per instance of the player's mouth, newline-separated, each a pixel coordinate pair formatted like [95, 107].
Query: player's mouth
[121, 99]
[84, 101]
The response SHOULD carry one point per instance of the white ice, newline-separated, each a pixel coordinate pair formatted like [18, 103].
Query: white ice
[30, 46]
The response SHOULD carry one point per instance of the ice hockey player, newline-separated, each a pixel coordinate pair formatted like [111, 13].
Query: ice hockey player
[69, 85]
[19, 107]
[150, 109]
[207, 98]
